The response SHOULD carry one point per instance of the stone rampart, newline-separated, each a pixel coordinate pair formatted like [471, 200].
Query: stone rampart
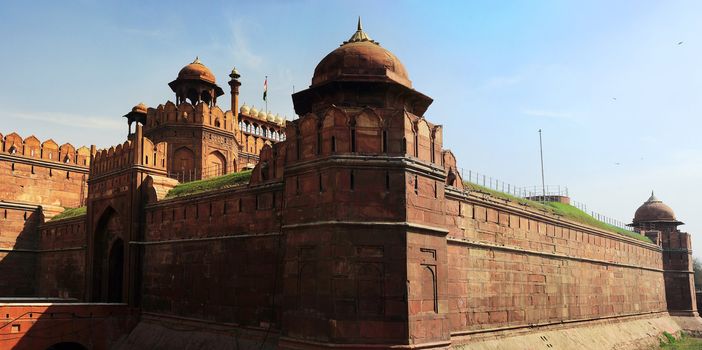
[42, 173]
[513, 267]
[213, 256]
[61, 258]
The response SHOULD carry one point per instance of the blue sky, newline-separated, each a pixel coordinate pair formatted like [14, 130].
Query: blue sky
[616, 96]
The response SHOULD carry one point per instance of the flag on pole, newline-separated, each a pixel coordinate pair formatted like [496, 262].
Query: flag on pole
[265, 89]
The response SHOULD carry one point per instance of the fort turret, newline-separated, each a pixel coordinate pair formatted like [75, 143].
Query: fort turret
[657, 221]
[364, 182]
[200, 134]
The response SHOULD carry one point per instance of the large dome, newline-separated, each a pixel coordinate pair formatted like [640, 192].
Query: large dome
[360, 59]
[654, 210]
[197, 71]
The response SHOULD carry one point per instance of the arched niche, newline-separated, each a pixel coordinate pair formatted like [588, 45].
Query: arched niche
[183, 160]
[216, 164]
[107, 273]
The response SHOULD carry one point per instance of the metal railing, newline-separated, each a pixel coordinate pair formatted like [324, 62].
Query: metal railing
[188, 175]
[600, 217]
[535, 191]
[505, 187]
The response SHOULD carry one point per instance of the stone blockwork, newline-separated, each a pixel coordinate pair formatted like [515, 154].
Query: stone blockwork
[37, 180]
[201, 138]
[354, 232]
[32, 325]
[214, 257]
[42, 173]
[514, 267]
[61, 258]
[18, 243]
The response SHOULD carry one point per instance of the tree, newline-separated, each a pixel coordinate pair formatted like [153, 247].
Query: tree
[697, 267]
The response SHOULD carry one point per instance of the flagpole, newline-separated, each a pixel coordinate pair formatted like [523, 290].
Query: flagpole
[266, 100]
[543, 183]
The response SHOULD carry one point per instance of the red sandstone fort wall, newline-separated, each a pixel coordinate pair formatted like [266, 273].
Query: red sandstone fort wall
[36, 180]
[509, 266]
[61, 259]
[214, 256]
[18, 242]
[42, 173]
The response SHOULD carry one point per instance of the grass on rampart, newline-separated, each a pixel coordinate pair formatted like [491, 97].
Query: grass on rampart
[566, 211]
[211, 184]
[70, 213]
[684, 343]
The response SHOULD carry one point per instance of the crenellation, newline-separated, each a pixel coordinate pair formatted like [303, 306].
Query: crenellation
[48, 151]
[355, 229]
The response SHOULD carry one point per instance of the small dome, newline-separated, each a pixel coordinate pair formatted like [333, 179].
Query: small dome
[278, 119]
[244, 109]
[360, 59]
[140, 108]
[270, 117]
[262, 115]
[654, 210]
[197, 71]
[253, 112]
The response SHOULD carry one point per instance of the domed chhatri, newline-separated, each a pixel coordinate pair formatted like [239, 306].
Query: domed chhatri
[195, 82]
[140, 108]
[244, 109]
[654, 210]
[363, 59]
[197, 71]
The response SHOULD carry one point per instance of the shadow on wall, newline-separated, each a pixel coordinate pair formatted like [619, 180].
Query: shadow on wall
[34, 326]
[19, 240]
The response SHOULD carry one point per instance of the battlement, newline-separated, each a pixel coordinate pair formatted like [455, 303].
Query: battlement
[186, 113]
[139, 150]
[49, 150]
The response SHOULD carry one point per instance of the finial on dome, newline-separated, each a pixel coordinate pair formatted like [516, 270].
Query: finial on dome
[234, 74]
[197, 60]
[360, 35]
[653, 198]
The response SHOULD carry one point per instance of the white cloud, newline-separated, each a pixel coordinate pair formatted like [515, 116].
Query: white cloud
[239, 44]
[72, 120]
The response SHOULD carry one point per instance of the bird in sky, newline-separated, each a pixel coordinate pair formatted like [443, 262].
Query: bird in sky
[680, 42]
[614, 98]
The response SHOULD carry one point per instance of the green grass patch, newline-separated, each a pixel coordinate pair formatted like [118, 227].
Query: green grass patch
[684, 343]
[211, 184]
[566, 211]
[70, 213]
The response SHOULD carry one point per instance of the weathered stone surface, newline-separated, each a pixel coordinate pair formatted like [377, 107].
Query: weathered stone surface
[354, 232]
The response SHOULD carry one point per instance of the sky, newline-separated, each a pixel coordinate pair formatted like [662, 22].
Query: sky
[614, 86]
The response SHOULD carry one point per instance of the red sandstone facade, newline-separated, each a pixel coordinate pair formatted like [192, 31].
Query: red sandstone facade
[353, 232]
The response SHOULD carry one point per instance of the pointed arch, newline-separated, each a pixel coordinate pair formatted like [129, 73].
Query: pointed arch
[216, 164]
[183, 161]
[108, 229]
[368, 131]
